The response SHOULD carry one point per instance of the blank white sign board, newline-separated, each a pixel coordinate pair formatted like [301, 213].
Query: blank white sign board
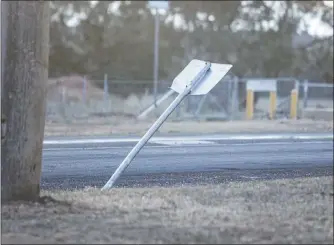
[262, 85]
[188, 74]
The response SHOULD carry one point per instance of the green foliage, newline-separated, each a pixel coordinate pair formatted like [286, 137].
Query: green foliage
[121, 43]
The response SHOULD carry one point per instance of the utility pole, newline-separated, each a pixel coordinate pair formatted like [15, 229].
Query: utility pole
[156, 5]
[156, 57]
[23, 92]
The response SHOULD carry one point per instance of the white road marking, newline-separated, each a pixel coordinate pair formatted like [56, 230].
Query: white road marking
[250, 177]
[183, 142]
[166, 145]
[188, 138]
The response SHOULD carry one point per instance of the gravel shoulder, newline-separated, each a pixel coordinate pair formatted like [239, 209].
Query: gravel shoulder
[126, 126]
[277, 211]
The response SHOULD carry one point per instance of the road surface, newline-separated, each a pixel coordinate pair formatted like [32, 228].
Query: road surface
[75, 162]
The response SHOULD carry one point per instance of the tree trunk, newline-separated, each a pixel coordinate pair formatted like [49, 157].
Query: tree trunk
[23, 92]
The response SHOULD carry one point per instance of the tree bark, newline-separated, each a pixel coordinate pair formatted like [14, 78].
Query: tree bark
[23, 92]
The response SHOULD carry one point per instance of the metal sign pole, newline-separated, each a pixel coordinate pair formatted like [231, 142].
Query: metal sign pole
[156, 126]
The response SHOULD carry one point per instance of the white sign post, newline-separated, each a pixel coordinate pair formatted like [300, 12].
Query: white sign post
[197, 78]
[156, 5]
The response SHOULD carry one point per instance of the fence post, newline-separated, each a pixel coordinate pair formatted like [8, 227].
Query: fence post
[235, 99]
[297, 84]
[272, 107]
[229, 105]
[106, 89]
[63, 94]
[293, 104]
[305, 97]
[250, 104]
[84, 89]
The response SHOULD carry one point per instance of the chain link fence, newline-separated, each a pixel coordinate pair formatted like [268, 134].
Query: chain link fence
[72, 98]
[316, 100]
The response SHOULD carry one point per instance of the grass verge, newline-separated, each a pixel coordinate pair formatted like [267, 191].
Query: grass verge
[119, 126]
[278, 211]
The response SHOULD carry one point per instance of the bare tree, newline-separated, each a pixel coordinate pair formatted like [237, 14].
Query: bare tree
[23, 92]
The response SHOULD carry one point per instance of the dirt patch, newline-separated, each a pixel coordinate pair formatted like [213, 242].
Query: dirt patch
[126, 126]
[323, 113]
[280, 211]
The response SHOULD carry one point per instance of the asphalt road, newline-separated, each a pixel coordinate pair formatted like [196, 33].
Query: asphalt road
[78, 162]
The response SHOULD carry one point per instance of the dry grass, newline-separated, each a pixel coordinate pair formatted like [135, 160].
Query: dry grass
[117, 126]
[280, 211]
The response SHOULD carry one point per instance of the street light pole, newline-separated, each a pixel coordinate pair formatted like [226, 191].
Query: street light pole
[3, 39]
[156, 5]
[156, 56]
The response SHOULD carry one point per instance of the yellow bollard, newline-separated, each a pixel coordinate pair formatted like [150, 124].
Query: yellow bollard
[293, 104]
[249, 104]
[272, 105]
